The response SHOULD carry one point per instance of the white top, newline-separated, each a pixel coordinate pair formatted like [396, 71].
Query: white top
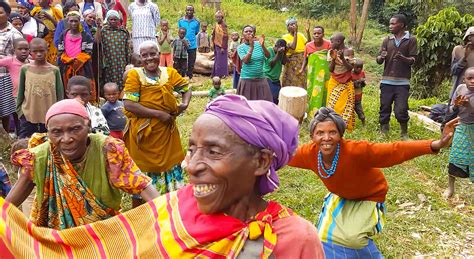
[30, 28]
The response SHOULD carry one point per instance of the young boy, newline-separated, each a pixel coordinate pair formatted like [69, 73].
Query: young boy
[234, 57]
[79, 87]
[358, 78]
[113, 110]
[216, 90]
[39, 87]
[234, 43]
[180, 52]
[165, 39]
[273, 66]
[9, 83]
[461, 158]
[204, 40]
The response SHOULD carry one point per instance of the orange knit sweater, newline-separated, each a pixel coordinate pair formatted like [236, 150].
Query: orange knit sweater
[357, 175]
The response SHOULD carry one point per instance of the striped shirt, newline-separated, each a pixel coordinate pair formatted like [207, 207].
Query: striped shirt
[7, 36]
[253, 69]
[145, 19]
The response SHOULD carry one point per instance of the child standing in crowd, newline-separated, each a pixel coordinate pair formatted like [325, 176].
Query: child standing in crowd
[135, 61]
[236, 63]
[165, 39]
[234, 43]
[39, 87]
[273, 66]
[9, 84]
[180, 52]
[204, 40]
[358, 78]
[79, 87]
[216, 89]
[113, 110]
[461, 158]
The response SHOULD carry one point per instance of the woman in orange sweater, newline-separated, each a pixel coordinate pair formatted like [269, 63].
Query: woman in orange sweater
[354, 209]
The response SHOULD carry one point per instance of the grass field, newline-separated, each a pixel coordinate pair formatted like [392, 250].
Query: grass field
[419, 220]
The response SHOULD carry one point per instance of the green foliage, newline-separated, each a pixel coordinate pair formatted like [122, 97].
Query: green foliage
[436, 40]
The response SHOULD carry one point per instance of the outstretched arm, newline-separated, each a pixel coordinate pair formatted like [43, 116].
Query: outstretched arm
[21, 190]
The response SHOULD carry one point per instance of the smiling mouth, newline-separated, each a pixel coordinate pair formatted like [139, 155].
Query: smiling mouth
[203, 190]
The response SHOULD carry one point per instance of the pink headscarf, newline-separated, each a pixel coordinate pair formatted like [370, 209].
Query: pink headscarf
[67, 106]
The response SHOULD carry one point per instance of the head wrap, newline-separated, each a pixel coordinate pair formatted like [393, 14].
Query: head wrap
[290, 20]
[87, 12]
[261, 124]
[67, 106]
[112, 13]
[470, 31]
[14, 16]
[220, 12]
[324, 114]
[73, 14]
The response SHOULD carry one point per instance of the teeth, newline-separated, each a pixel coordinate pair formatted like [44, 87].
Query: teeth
[204, 189]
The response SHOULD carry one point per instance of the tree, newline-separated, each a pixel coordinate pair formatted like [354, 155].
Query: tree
[357, 31]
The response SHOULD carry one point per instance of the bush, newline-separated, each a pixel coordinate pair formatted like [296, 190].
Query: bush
[436, 40]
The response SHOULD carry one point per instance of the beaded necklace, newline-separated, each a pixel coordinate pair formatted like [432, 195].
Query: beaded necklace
[331, 170]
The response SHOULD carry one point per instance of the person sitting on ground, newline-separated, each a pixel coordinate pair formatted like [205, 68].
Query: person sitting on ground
[79, 87]
[79, 175]
[216, 89]
[235, 149]
[113, 110]
[355, 207]
[358, 78]
[461, 155]
[273, 65]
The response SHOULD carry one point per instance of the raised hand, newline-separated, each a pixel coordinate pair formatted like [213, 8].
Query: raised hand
[448, 133]
[262, 40]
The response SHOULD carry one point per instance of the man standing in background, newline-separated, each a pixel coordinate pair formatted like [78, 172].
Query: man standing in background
[192, 26]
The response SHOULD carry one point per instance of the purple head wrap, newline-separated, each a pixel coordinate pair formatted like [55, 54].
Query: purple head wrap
[262, 124]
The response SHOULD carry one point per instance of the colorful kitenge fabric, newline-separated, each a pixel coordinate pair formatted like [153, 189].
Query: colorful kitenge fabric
[71, 195]
[341, 98]
[5, 185]
[155, 146]
[318, 75]
[58, 16]
[166, 182]
[170, 226]
[462, 149]
[350, 223]
[115, 53]
[291, 75]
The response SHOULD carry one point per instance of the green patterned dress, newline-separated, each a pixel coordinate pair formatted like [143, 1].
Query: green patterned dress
[115, 54]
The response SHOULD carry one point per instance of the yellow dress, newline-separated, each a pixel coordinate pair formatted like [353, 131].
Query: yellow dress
[58, 16]
[154, 146]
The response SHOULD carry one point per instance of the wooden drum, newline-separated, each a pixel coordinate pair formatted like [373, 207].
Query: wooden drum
[294, 101]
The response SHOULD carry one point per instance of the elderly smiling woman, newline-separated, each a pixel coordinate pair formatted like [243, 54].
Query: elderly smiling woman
[235, 148]
[354, 210]
[78, 175]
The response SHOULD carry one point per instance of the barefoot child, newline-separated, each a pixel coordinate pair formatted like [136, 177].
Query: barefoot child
[180, 52]
[204, 40]
[39, 87]
[216, 89]
[79, 87]
[13, 65]
[113, 110]
[165, 39]
[358, 78]
[461, 156]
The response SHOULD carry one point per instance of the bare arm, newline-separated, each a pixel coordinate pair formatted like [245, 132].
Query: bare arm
[275, 59]
[150, 193]
[303, 66]
[21, 190]
[265, 51]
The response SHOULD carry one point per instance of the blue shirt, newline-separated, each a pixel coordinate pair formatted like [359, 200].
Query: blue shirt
[113, 113]
[253, 69]
[192, 29]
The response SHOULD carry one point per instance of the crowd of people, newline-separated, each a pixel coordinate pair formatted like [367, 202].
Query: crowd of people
[94, 109]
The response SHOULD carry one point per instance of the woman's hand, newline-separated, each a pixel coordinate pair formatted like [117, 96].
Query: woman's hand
[445, 139]
[262, 40]
[164, 117]
[181, 108]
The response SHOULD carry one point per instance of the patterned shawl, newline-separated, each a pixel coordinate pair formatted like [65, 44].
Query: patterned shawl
[170, 226]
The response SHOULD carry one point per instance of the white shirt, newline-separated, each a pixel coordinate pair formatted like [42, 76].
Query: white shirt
[30, 28]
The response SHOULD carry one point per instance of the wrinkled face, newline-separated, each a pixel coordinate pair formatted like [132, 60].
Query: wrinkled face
[469, 79]
[395, 26]
[23, 11]
[68, 132]
[38, 51]
[17, 24]
[79, 92]
[189, 11]
[22, 50]
[113, 21]
[248, 33]
[219, 18]
[221, 166]
[3, 16]
[111, 94]
[150, 57]
[73, 22]
[318, 34]
[90, 19]
[326, 136]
